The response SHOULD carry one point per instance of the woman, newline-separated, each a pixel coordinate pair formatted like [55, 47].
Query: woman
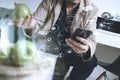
[56, 18]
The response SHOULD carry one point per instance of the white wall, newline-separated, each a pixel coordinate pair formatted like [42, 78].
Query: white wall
[111, 6]
[33, 4]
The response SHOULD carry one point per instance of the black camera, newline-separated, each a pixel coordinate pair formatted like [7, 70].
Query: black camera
[82, 33]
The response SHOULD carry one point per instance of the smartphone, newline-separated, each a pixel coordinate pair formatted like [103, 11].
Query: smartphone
[82, 33]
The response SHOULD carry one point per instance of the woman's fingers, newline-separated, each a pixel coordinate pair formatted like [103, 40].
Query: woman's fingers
[77, 46]
[84, 41]
[32, 22]
[19, 22]
[27, 23]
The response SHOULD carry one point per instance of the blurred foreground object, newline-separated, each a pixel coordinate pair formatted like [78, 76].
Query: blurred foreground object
[20, 11]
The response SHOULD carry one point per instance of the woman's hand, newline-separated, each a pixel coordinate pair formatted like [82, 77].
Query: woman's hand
[27, 23]
[78, 47]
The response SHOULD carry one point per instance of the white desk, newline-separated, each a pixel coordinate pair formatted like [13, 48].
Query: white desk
[108, 38]
[108, 48]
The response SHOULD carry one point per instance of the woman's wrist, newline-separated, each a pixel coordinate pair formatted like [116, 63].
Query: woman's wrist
[85, 56]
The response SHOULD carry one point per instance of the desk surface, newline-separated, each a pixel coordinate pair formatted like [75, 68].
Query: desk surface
[108, 48]
[107, 38]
